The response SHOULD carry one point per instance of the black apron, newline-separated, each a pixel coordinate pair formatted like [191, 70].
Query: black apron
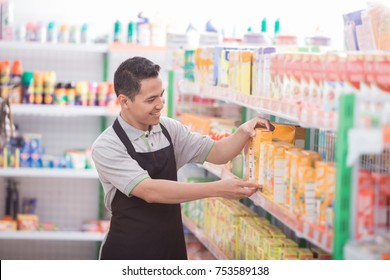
[141, 230]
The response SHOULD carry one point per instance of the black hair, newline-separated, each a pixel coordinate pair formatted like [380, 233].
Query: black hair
[128, 76]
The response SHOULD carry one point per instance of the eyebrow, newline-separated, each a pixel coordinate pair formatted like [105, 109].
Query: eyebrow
[154, 96]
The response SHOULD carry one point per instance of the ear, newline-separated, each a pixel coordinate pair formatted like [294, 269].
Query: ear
[123, 100]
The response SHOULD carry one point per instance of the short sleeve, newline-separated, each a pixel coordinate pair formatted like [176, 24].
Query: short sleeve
[189, 146]
[116, 167]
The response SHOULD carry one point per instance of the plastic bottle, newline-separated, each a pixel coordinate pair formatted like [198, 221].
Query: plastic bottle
[38, 87]
[49, 81]
[81, 93]
[15, 144]
[12, 200]
[40, 33]
[277, 27]
[84, 34]
[264, 25]
[63, 34]
[192, 36]
[6, 20]
[20, 33]
[5, 77]
[210, 26]
[92, 92]
[132, 32]
[143, 28]
[276, 31]
[30, 32]
[28, 87]
[117, 31]
[52, 32]
[60, 95]
[74, 34]
[8, 201]
[102, 91]
[111, 95]
[16, 91]
[70, 93]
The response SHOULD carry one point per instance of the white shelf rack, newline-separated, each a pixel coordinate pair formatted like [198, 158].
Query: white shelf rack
[92, 48]
[61, 111]
[53, 235]
[354, 251]
[205, 241]
[248, 101]
[49, 173]
[320, 237]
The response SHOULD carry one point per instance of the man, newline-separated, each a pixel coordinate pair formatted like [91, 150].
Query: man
[137, 160]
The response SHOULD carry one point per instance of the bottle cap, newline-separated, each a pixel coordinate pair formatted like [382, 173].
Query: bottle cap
[264, 25]
[17, 68]
[27, 77]
[277, 26]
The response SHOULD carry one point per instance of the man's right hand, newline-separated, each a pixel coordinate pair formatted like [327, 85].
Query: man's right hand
[235, 188]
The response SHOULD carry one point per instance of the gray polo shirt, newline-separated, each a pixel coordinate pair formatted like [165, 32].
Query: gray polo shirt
[117, 170]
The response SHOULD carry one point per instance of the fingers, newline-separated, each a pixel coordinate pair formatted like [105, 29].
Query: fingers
[249, 185]
[245, 192]
[246, 188]
[236, 188]
[265, 123]
[271, 127]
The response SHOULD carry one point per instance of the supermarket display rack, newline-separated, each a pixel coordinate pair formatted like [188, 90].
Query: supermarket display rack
[78, 190]
[338, 241]
[262, 106]
[321, 237]
[53, 235]
[202, 238]
[361, 139]
[48, 173]
[302, 228]
[63, 128]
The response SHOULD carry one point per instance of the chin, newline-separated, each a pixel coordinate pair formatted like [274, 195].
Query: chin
[155, 120]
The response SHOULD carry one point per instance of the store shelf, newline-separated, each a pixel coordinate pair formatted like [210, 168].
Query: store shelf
[302, 228]
[53, 235]
[366, 141]
[129, 47]
[202, 238]
[262, 105]
[92, 48]
[49, 173]
[365, 251]
[279, 212]
[61, 111]
[212, 168]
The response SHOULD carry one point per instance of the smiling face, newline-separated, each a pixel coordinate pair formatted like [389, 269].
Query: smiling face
[145, 108]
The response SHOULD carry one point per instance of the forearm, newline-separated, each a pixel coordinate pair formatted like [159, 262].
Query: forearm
[171, 192]
[229, 147]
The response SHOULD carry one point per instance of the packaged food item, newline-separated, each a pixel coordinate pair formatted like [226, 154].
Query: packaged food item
[8, 225]
[253, 156]
[27, 222]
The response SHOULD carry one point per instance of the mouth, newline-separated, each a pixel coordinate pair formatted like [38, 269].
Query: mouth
[156, 114]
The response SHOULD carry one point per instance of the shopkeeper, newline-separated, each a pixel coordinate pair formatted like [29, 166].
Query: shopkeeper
[137, 159]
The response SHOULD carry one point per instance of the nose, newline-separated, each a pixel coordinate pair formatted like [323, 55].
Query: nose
[160, 104]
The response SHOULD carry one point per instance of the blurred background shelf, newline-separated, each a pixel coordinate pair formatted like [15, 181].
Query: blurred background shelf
[92, 48]
[61, 111]
[205, 241]
[53, 235]
[49, 173]
[303, 229]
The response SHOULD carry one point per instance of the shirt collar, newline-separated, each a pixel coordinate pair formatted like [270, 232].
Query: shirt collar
[135, 133]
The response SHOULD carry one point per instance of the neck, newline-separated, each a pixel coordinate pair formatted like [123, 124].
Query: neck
[133, 123]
